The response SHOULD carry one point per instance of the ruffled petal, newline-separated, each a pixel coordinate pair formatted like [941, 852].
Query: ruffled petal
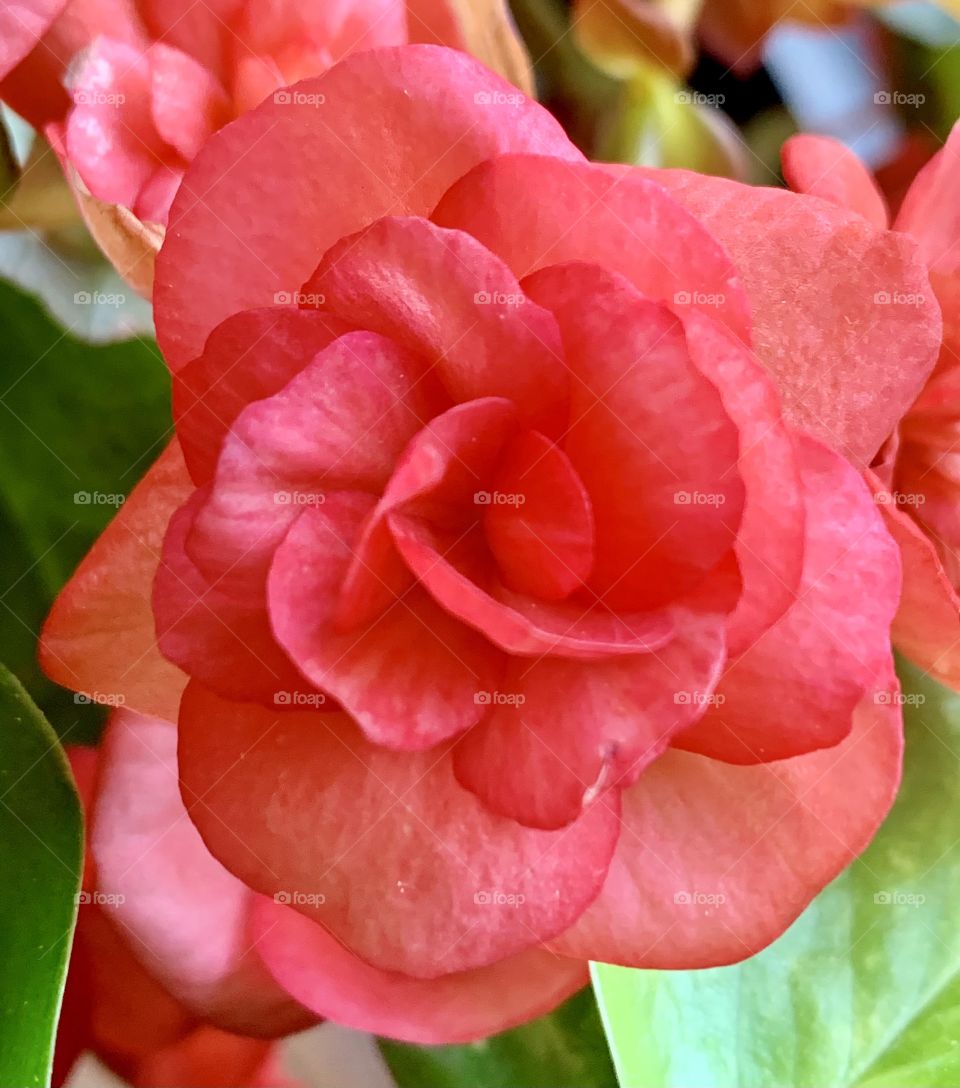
[302, 167]
[648, 436]
[797, 687]
[560, 733]
[409, 676]
[399, 862]
[442, 295]
[716, 861]
[248, 357]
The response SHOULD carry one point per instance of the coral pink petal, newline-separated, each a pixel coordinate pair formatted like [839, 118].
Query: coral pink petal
[844, 315]
[462, 1007]
[111, 139]
[248, 357]
[340, 424]
[648, 435]
[560, 733]
[459, 576]
[99, 637]
[824, 167]
[410, 676]
[536, 211]
[926, 627]
[188, 103]
[481, 334]
[769, 546]
[385, 849]
[796, 688]
[219, 632]
[22, 24]
[929, 213]
[425, 98]
[183, 914]
[539, 520]
[716, 861]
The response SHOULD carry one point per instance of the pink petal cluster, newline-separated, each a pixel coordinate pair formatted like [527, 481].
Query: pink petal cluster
[512, 580]
[129, 89]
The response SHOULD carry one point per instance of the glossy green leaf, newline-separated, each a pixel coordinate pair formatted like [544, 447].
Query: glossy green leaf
[41, 859]
[863, 990]
[564, 1050]
[79, 425]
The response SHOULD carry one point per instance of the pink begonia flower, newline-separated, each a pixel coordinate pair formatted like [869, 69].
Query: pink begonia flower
[511, 580]
[916, 475]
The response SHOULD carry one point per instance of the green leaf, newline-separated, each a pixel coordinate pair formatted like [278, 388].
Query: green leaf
[863, 990]
[563, 1050]
[77, 422]
[41, 859]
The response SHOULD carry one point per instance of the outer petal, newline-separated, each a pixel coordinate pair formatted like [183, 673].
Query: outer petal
[411, 675]
[562, 732]
[183, 915]
[248, 357]
[457, 1008]
[797, 687]
[442, 295]
[824, 167]
[99, 636]
[401, 864]
[622, 222]
[275, 164]
[844, 315]
[716, 861]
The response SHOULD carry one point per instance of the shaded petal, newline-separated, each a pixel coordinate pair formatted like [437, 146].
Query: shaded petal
[187, 102]
[217, 630]
[927, 625]
[929, 212]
